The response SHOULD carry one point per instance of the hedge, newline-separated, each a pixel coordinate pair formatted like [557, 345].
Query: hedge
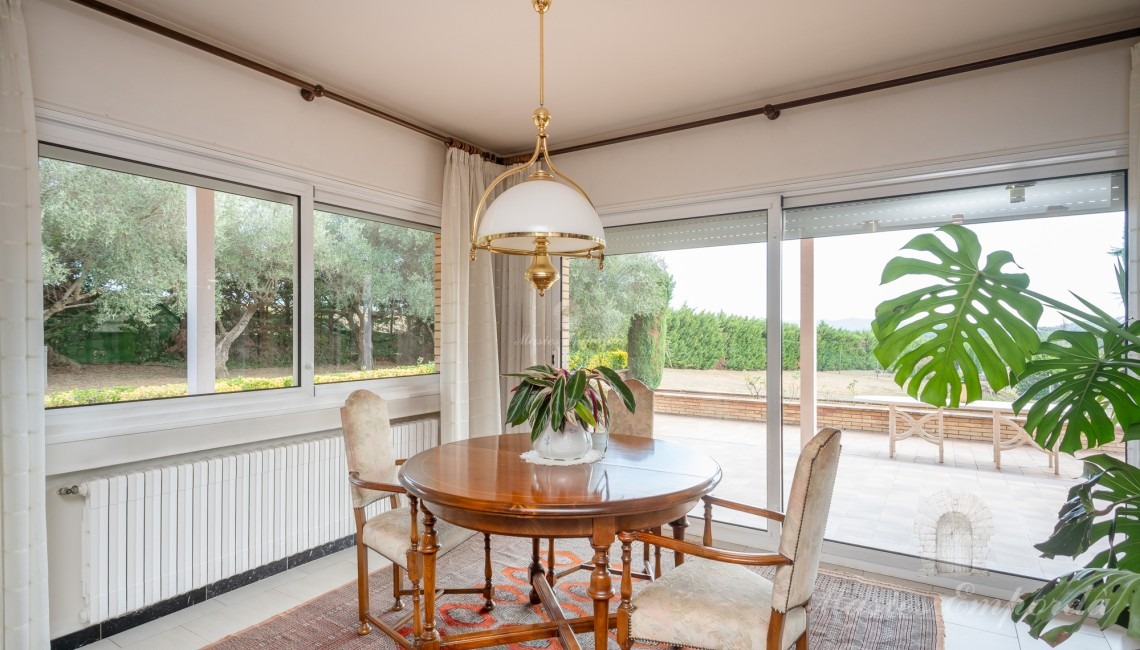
[704, 340]
[81, 396]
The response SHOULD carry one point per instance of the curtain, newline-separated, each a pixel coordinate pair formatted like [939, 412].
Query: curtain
[469, 369]
[528, 324]
[1133, 207]
[23, 522]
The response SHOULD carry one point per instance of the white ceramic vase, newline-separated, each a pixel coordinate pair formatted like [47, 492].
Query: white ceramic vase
[571, 443]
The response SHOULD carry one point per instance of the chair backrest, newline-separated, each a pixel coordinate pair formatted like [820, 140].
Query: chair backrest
[638, 423]
[806, 519]
[368, 444]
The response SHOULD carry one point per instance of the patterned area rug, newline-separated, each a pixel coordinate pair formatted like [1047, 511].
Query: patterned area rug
[848, 613]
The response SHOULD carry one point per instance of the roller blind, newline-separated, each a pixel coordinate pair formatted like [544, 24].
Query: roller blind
[700, 232]
[1074, 195]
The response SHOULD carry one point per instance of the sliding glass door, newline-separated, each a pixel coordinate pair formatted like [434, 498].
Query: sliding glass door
[951, 506]
[680, 306]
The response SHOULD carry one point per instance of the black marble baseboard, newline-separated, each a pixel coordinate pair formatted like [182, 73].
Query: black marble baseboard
[182, 601]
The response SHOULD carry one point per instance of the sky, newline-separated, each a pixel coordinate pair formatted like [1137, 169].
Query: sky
[848, 268]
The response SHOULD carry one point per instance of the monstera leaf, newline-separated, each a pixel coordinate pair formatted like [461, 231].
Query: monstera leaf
[1105, 506]
[1114, 590]
[973, 320]
[1089, 380]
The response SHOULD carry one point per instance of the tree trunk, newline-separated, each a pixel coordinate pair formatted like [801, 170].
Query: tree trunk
[364, 342]
[227, 338]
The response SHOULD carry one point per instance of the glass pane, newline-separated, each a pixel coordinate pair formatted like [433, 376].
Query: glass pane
[255, 264]
[376, 299]
[690, 324]
[117, 305]
[963, 514]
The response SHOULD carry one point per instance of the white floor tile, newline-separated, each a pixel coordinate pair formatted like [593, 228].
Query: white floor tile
[148, 630]
[241, 615]
[178, 638]
[308, 586]
[981, 614]
[959, 637]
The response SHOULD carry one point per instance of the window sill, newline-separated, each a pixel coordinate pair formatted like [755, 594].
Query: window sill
[89, 437]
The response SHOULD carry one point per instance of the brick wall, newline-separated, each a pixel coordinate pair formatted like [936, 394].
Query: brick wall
[858, 417]
[438, 296]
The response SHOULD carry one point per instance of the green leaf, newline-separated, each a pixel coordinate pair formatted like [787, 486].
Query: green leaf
[1090, 384]
[1104, 507]
[973, 320]
[1115, 589]
[615, 382]
[558, 404]
[519, 408]
[576, 386]
[584, 415]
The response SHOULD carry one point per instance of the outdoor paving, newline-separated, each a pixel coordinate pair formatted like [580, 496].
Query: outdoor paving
[878, 499]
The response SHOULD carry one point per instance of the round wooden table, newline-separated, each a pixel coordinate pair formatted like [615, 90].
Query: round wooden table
[483, 484]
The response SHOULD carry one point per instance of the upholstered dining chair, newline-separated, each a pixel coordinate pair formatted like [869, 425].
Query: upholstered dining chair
[713, 600]
[394, 533]
[623, 422]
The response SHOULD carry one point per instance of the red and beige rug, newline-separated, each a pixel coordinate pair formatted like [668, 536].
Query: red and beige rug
[848, 613]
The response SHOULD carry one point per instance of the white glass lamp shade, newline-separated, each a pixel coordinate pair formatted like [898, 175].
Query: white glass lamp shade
[541, 208]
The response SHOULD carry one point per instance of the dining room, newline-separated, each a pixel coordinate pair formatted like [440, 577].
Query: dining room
[553, 324]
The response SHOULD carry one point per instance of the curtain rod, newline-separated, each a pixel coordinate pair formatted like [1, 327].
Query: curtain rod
[310, 91]
[772, 111]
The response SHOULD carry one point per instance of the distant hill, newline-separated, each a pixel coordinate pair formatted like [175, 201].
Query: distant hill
[851, 324]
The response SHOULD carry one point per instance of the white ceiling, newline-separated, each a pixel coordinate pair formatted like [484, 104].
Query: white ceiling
[469, 68]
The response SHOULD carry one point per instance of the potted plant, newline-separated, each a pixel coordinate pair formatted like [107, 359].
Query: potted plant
[978, 320]
[564, 406]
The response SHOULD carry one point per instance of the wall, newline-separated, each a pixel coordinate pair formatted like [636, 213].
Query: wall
[859, 417]
[94, 67]
[89, 64]
[1058, 101]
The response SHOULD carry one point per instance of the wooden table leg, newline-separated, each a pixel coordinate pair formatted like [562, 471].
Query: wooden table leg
[430, 639]
[536, 569]
[601, 585]
[679, 527]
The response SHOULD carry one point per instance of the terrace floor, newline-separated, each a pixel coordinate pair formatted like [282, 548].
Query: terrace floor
[878, 499]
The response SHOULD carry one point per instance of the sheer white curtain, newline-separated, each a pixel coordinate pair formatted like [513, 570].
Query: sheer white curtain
[469, 369]
[1134, 182]
[23, 523]
[529, 325]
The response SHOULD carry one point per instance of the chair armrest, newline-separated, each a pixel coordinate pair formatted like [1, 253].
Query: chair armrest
[710, 553]
[354, 478]
[743, 507]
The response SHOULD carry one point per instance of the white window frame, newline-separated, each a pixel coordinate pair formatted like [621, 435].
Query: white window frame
[229, 418]
[341, 389]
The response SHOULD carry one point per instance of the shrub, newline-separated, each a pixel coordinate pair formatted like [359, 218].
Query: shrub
[695, 339]
[647, 336]
[746, 344]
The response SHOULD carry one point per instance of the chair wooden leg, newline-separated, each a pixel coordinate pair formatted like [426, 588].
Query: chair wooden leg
[551, 574]
[361, 576]
[623, 636]
[801, 643]
[656, 554]
[397, 586]
[488, 588]
[775, 629]
[536, 568]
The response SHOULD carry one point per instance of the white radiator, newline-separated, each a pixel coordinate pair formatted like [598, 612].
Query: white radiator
[153, 534]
